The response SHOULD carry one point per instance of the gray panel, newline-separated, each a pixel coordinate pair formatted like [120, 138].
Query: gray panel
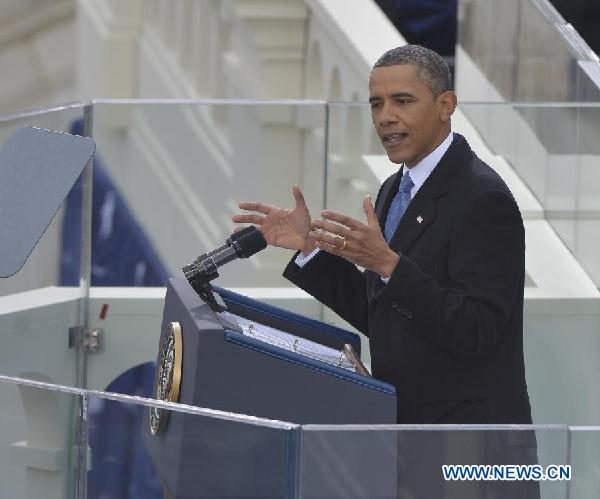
[422, 453]
[346, 464]
[200, 458]
[37, 170]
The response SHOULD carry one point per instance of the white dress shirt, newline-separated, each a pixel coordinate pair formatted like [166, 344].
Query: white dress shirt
[418, 174]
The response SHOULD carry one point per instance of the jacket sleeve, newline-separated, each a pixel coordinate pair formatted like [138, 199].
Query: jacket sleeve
[486, 268]
[335, 282]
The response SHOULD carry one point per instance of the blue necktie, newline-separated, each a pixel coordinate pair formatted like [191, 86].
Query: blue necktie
[398, 207]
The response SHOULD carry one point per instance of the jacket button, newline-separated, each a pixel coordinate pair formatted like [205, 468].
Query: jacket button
[395, 305]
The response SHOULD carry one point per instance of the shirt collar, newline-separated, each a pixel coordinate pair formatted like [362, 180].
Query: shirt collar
[422, 170]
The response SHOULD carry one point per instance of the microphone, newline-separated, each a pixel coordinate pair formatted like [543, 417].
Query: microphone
[241, 244]
[234, 237]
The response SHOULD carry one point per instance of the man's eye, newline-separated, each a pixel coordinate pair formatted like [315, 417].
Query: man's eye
[375, 105]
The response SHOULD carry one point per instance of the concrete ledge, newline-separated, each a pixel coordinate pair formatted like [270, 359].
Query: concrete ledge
[23, 454]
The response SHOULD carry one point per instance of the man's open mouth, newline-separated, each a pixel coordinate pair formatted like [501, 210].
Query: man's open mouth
[393, 139]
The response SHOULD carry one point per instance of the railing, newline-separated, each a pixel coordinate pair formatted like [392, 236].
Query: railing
[41, 442]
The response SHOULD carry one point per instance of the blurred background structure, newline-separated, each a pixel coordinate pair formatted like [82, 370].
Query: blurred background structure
[37, 53]
[196, 105]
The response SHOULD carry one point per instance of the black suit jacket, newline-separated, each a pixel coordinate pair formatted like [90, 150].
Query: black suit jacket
[447, 329]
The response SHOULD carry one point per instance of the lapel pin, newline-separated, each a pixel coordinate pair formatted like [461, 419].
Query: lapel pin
[420, 219]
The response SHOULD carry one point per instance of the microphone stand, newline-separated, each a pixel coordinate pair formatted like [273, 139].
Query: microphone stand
[200, 282]
[203, 269]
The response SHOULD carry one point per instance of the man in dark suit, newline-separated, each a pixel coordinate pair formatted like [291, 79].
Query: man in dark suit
[441, 296]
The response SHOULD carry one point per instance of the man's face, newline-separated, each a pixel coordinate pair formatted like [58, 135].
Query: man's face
[409, 120]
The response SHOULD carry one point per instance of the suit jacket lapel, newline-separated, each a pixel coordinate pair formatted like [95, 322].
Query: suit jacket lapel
[417, 217]
[421, 210]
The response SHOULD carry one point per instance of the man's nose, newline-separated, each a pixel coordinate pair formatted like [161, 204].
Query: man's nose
[387, 116]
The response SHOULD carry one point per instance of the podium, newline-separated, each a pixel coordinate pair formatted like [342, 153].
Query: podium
[257, 360]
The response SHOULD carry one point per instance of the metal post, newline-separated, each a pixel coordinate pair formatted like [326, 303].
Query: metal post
[81, 442]
[327, 125]
[293, 468]
[85, 256]
[77, 461]
[569, 460]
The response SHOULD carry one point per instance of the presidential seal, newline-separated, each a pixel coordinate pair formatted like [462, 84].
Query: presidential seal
[168, 376]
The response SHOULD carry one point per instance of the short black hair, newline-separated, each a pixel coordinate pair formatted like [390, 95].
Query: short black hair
[432, 68]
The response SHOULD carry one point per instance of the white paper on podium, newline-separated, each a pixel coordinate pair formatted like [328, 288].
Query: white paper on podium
[291, 342]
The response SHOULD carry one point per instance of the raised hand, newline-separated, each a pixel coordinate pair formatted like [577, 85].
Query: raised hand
[360, 243]
[281, 227]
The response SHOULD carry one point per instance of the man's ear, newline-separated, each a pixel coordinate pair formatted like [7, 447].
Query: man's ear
[446, 105]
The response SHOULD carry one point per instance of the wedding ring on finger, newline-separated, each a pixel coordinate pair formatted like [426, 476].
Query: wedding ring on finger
[343, 246]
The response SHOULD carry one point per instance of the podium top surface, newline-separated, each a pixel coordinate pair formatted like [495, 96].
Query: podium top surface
[38, 168]
[203, 318]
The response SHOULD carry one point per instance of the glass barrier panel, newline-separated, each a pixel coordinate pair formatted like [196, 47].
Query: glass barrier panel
[553, 152]
[38, 451]
[445, 462]
[168, 176]
[351, 142]
[545, 152]
[40, 302]
[191, 452]
[585, 458]
[355, 168]
[174, 173]
[547, 156]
